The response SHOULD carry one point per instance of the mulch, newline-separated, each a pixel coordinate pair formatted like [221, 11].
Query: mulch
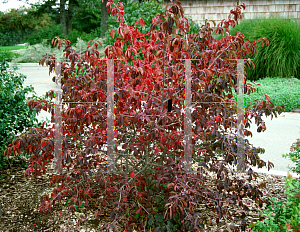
[19, 196]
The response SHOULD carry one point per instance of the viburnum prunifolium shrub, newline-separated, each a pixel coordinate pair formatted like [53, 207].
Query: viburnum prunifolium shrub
[150, 187]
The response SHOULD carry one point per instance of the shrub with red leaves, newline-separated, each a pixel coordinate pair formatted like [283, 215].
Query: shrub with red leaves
[150, 187]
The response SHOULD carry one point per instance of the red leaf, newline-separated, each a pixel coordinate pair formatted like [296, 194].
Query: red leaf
[112, 33]
[121, 7]
[132, 175]
[142, 22]
[114, 11]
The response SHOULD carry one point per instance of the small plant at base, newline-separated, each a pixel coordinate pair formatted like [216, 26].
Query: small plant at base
[294, 156]
[282, 216]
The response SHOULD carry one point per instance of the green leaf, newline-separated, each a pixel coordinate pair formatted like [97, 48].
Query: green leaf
[159, 218]
[136, 216]
[151, 221]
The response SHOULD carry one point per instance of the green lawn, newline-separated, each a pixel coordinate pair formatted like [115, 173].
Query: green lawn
[11, 48]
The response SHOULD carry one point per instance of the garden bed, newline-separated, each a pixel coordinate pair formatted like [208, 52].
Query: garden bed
[18, 198]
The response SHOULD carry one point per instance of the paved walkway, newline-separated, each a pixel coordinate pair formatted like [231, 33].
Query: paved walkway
[277, 139]
[281, 133]
[38, 77]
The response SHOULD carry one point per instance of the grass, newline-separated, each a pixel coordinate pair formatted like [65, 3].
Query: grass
[283, 91]
[12, 48]
[282, 56]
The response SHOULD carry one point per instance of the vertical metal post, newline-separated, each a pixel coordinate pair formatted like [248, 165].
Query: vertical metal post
[57, 119]
[240, 116]
[110, 116]
[187, 119]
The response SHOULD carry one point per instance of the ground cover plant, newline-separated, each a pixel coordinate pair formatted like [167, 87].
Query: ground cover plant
[150, 187]
[284, 215]
[282, 57]
[15, 115]
[283, 91]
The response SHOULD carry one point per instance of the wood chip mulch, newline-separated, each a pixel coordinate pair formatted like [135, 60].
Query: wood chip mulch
[19, 197]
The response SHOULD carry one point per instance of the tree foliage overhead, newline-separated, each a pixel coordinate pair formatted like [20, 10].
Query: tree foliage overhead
[16, 24]
[77, 17]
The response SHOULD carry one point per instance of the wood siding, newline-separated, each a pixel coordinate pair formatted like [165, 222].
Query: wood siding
[199, 10]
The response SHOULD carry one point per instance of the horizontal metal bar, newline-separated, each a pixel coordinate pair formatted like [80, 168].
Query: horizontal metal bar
[202, 59]
[82, 102]
[106, 102]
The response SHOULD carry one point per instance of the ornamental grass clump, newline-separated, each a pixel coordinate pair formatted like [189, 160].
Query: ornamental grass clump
[150, 187]
[282, 57]
[34, 53]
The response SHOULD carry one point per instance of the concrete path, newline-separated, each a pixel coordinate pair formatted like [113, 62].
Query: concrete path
[280, 134]
[277, 139]
[38, 77]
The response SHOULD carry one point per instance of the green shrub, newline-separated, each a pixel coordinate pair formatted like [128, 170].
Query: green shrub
[15, 115]
[95, 33]
[47, 34]
[294, 156]
[73, 36]
[7, 56]
[10, 37]
[282, 57]
[44, 34]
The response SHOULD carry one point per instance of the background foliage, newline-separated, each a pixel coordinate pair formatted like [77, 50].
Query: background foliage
[41, 21]
[17, 24]
[134, 10]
